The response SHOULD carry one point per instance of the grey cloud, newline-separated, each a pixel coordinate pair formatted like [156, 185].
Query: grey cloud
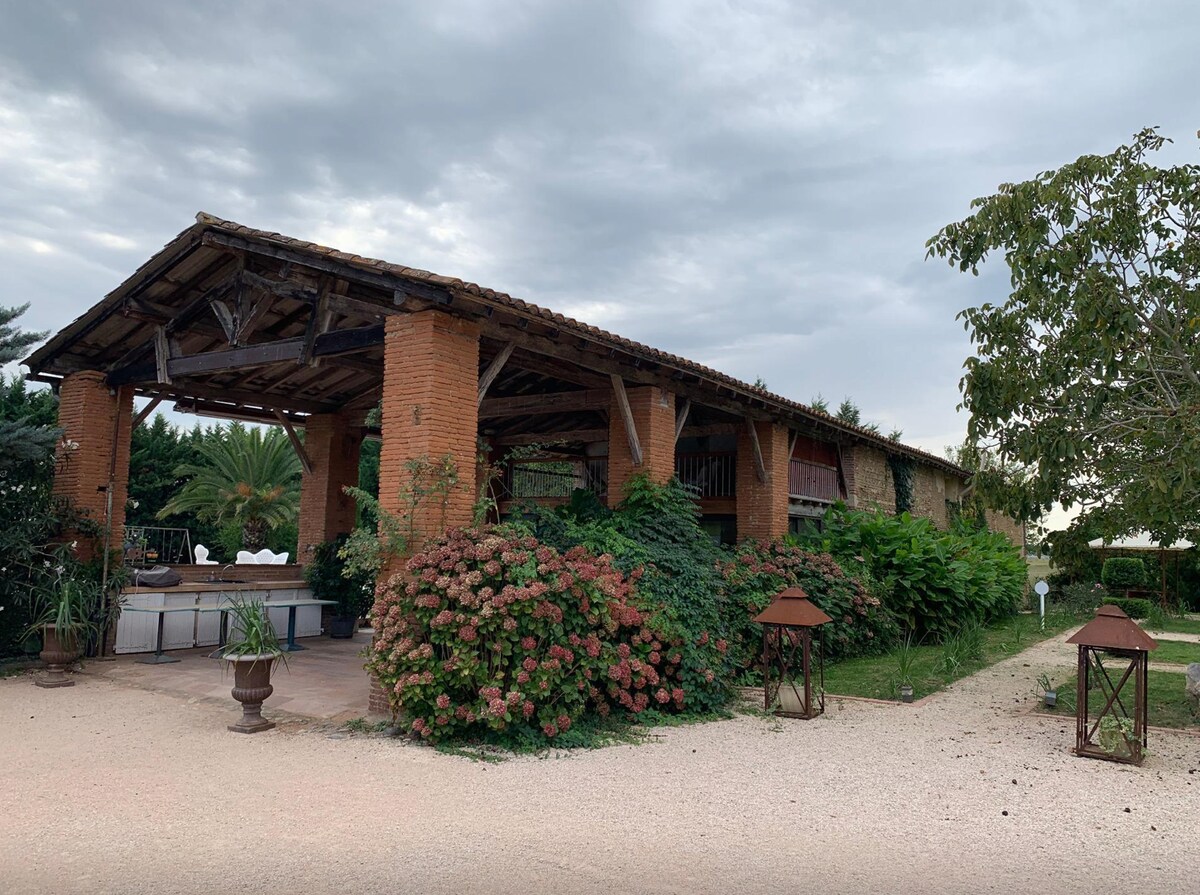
[749, 185]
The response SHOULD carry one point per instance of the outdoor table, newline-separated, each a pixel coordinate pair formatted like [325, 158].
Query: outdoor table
[292, 646]
[158, 658]
[291, 605]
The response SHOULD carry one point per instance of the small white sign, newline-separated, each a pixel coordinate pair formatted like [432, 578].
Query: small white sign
[1042, 588]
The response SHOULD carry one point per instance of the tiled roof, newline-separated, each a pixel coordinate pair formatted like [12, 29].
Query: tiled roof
[206, 221]
[578, 326]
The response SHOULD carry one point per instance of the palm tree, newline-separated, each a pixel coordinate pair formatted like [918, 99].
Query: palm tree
[249, 476]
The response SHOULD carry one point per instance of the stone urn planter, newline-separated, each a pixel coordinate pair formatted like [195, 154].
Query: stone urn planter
[57, 652]
[251, 686]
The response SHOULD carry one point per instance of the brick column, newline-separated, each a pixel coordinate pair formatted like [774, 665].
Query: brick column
[430, 410]
[332, 442]
[653, 411]
[100, 421]
[762, 507]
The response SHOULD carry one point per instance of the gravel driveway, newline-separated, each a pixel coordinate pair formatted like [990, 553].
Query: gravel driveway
[105, 788]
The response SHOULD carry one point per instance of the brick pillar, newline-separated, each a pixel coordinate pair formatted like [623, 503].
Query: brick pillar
[332, 442]
[100, 421]
[430, 410]
[653, 412]
[762, 507]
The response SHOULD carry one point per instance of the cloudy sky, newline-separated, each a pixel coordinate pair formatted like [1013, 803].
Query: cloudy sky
[748, 184]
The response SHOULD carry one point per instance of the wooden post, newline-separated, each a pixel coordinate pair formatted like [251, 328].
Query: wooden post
[297, 444]
[635, 447]
[681, 417]
[494, 368]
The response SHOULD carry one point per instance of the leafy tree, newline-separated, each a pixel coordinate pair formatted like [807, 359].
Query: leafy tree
[26, 418]
[848, 412]
[1088, 373]
[247, 476]
[819, 403]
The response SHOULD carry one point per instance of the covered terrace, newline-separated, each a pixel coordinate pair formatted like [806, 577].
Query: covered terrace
[242, 324]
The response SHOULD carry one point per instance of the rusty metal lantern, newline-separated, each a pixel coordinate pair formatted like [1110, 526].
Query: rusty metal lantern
[1118, 731]
[788, 624]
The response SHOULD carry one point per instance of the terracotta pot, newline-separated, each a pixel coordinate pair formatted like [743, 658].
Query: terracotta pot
[57, 653]
[252, 685]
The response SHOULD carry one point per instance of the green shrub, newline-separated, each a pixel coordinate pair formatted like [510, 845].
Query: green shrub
[493, 632]
[655, 532]
[761, 569]
[936, 581]
[1134, 607]
[330, 579]
[1123, 572]
[1080, 596]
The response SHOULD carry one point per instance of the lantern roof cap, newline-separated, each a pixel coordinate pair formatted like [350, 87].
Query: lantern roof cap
[1113, 629]
[792, 608]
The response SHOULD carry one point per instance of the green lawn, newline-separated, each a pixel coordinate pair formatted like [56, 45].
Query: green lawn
[1168, 705]
[1175, 652]
[933, 669]
[1176, 626]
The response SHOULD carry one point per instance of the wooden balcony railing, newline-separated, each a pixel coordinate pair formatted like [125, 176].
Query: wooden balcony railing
[813, 481]
[539, 479]
[708, 474]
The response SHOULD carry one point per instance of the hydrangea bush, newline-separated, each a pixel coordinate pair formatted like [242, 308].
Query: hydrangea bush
[491, 630]
[760, 569]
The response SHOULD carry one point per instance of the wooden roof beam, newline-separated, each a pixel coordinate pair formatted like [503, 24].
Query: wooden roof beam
[550, 402]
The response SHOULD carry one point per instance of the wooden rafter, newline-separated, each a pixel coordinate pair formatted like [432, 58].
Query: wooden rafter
[494, 368]
[297, 444]
[540, 404]
[572, 436]
[681, 416]
[145, 412]
[331, 344]
[760, 468]
[792, 436]
[635, 446]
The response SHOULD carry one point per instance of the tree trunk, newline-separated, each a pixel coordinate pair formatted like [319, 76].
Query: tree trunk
[254, 535]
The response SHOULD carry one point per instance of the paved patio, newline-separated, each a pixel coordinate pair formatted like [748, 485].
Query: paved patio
[325, 680]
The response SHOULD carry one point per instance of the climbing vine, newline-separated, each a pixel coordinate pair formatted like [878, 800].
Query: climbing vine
[903, 478]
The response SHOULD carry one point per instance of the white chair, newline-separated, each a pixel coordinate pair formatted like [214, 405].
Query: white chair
[281, 559]
[202, 556]
[246, 558]
[264, 557]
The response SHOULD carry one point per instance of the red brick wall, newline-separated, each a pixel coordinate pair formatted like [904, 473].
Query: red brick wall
[430, 409]
[762, 507]
[332, 442]
[653, 411]
[89, 413]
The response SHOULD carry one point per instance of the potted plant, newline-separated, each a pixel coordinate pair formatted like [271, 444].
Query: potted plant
[253, 651]
[326, 574]
[1049, 694]
[64, 618]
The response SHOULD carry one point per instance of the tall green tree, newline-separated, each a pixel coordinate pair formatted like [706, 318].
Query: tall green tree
[1088, 372]
[26, 418]
[247, 476]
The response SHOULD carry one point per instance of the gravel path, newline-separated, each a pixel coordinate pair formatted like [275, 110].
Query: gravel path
[108, 789]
